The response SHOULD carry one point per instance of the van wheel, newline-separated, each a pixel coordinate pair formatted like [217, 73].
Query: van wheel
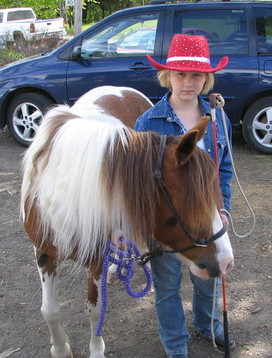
[257, 125]
[25, 114]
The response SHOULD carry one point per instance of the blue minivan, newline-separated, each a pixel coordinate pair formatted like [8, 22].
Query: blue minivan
[113, 52]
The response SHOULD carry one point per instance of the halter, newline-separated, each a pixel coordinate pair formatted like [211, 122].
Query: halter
[203, 242]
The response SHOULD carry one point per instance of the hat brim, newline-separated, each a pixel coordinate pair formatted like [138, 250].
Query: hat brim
[193, 67]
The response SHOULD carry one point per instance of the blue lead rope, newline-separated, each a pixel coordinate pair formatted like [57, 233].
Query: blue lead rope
[125, 261]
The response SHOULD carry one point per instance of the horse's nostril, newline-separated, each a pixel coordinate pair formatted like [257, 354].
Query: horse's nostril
[212, 268]
[229, 267]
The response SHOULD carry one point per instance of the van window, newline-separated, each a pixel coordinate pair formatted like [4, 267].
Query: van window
[226, 30]
[127, 37]
[263, 18]
[1, 17]
[20, 15]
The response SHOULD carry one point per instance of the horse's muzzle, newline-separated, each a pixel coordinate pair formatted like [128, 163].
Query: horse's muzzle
[213, 268]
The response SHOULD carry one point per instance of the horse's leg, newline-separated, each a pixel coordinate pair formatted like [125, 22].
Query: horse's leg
[97, 345]
[50, 308]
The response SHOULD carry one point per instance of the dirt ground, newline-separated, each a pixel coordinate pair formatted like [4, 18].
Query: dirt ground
[130, 330]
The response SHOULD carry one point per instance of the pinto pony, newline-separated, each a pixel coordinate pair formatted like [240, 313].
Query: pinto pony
[89, 178]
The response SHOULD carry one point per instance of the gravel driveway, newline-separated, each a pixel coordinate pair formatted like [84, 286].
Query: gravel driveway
[130, 330]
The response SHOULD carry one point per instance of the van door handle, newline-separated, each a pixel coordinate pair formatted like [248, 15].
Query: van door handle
[139, 66]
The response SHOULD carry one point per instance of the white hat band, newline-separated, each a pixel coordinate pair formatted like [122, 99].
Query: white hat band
[188, 58]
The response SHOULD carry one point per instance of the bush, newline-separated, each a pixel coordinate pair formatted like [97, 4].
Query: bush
[20, 49]
[9, 55]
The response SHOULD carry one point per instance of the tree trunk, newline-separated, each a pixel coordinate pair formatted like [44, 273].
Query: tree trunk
[62, 11]
[78, 16]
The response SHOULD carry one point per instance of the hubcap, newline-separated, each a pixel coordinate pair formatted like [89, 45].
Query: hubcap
[262, 127]
[26, 119]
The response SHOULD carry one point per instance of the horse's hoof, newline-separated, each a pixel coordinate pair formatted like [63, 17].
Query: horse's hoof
[66, 353]
[65, 337]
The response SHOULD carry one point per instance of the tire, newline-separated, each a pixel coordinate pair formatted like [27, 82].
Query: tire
[19, 41]
[25, 114]
[257, 125]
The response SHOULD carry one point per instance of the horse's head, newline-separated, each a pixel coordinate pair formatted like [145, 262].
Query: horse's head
[188, 219]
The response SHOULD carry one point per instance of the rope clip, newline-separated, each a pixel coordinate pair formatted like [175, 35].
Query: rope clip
[216, 100]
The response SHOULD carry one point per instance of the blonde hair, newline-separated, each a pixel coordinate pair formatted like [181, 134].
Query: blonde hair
[164, 80]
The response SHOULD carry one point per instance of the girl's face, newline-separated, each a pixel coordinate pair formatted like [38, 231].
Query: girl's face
[187, 85]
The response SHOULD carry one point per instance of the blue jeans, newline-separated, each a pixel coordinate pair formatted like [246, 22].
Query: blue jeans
[167, 276]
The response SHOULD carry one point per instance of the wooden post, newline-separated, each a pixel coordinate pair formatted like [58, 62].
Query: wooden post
[77, 16]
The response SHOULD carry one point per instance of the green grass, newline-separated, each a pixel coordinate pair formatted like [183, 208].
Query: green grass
[70, 30]
[86, 26]
[8, 55]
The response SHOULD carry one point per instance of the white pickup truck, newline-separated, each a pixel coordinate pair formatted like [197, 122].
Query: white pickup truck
[21, 24]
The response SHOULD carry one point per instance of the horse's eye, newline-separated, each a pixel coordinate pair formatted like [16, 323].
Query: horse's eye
[172, 221]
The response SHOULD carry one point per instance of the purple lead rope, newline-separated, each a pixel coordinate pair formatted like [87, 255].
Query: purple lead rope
[125, 261]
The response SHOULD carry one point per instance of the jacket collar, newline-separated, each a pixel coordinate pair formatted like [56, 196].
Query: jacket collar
[163, 109]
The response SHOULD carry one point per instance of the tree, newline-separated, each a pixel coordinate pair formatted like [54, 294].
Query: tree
[93, 10]
[42, 8]
[77, 16]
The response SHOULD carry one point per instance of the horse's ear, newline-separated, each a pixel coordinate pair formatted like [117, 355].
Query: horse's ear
[201, 126]
[186, 147]
[188, 141]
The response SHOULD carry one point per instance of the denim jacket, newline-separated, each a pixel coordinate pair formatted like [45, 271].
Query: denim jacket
[161, 118]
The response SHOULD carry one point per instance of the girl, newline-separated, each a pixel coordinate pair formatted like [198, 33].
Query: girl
[187, 74]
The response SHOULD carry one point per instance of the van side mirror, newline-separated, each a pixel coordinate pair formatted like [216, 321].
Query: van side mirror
[76, 53]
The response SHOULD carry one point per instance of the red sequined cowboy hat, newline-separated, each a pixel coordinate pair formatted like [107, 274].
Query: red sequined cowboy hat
[189, 53]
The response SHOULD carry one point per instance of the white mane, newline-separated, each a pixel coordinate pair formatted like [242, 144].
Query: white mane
[69, 191]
